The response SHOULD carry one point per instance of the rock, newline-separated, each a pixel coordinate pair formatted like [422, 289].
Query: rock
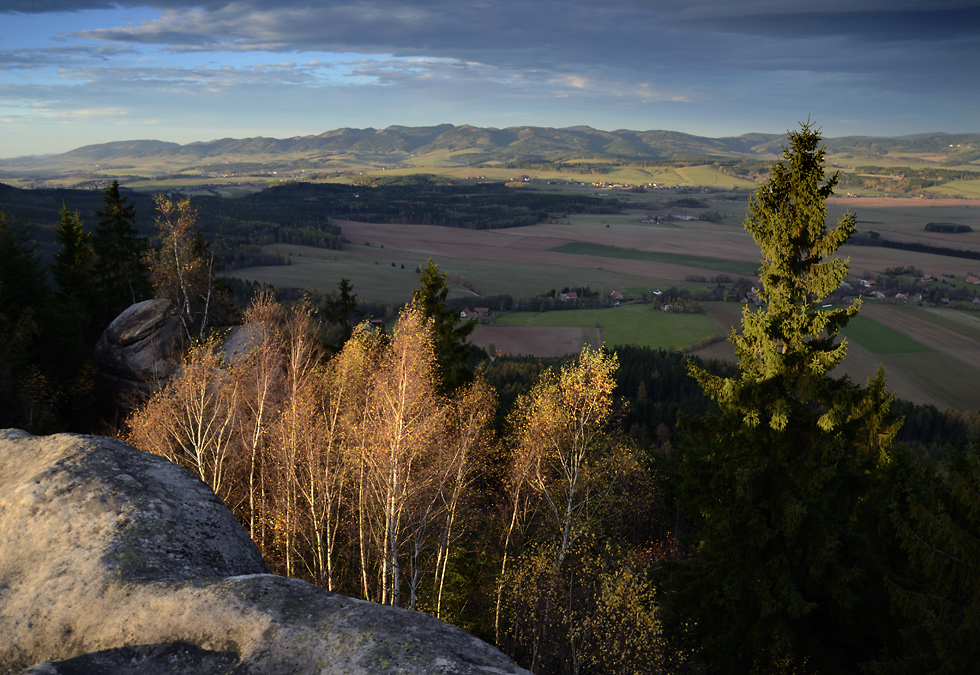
[139, 345]
[239, 341]
[114, 560]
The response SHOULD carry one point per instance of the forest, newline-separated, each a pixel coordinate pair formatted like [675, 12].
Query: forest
[620, 511]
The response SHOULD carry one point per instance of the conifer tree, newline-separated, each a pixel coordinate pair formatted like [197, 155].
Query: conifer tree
[342, 310]
[450, 339]
[772, 479]
[940, 598]
[122, 276]
[74, 272]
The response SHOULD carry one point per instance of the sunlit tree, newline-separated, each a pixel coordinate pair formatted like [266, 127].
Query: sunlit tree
[183, 268]
[771, 481]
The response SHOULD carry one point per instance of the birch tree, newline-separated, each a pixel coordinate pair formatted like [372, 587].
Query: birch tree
[191, 421]
[402, 420]
[259, 374]
[183, 268]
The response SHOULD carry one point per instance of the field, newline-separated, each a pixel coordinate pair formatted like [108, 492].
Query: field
[880, 339]
[619, 252]
[630, 324]
[529, 341]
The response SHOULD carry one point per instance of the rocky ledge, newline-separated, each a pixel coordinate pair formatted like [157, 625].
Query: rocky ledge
[114, 560]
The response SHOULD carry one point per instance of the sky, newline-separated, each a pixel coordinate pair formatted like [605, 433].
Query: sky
[79, 72]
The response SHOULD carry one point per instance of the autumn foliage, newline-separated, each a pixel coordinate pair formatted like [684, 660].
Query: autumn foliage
[358, 473]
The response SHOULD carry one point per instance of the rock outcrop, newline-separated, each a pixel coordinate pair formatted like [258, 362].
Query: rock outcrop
[139, 347]
[113, 560]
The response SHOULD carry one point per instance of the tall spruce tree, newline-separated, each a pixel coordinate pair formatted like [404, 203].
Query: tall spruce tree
[74, 272]
[452, 351]
[772, 480]
[123, 278]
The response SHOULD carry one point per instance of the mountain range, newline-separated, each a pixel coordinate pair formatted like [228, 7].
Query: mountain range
[472, 146]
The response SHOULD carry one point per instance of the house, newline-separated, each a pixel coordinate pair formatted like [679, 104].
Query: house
[565, 297]
[973, 280]
[616, 296]
[467, 314]
[482, 311]
[927, 278]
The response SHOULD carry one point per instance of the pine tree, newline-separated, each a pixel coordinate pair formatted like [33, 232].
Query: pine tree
[450, 339]
[773, 478]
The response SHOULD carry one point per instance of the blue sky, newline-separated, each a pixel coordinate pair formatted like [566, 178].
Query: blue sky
[77, 72]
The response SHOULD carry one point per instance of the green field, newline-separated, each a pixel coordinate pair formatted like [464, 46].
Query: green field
[880, 339]
[627, 325]
[605, 251]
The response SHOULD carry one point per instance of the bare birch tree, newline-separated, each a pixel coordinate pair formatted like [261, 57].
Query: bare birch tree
[259, 374]
[401, 419]
[192, 419]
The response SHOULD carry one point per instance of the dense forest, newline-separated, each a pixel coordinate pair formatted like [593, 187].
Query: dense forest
[619, 511]
[303, 213]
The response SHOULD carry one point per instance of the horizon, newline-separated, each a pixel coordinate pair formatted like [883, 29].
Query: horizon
[85, 72]
[396, 126]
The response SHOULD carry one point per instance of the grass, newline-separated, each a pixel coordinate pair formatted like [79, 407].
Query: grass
[880, 339]
[605, 251]
[627, 325]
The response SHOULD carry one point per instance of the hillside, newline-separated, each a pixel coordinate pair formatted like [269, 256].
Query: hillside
[447, 148]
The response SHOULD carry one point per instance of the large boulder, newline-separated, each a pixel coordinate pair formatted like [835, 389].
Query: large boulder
[114, 560]
[140, 344]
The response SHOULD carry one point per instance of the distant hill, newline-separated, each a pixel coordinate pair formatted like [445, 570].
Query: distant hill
[494, 145]
[445, 146]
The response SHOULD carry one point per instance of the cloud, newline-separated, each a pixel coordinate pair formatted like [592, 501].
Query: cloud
[625, 63]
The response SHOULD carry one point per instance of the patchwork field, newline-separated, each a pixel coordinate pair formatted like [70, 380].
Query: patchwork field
[931, 355]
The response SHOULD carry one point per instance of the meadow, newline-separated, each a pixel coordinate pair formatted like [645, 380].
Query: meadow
[625, 325]
[880, 339]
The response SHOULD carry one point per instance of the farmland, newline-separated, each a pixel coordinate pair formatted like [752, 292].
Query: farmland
[631, 324]
[931, 354]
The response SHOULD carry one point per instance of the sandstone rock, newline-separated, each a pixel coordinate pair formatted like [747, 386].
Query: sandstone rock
[139, 344]
[114, 560]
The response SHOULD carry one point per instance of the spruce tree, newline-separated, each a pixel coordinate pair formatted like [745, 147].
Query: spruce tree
[771, 480]
[939, 596]
[120, 249]
[74, 272]
[341, 309]
[450, 335]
